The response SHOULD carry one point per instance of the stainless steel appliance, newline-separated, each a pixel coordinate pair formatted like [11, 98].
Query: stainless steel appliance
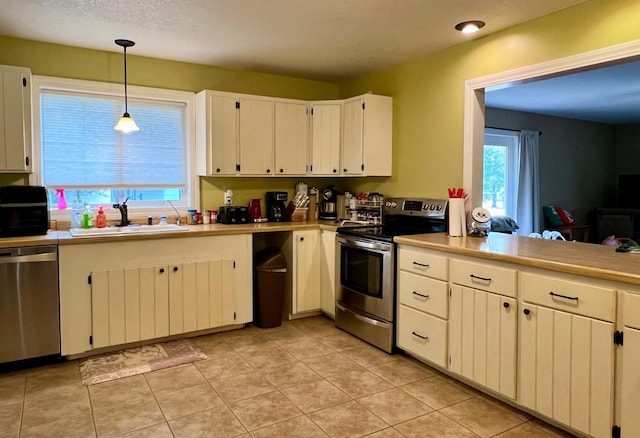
[23, 211]
[328, 200]
[276, 206]
[29, 310]
[365, 267]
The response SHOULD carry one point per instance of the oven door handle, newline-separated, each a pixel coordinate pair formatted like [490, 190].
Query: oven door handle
[366, 244]
[362, 317]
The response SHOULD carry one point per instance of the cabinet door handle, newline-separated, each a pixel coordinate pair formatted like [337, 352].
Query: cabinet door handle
[162, 270]
[175, 269]
[268, 170]
[426, 338]
[335, 170]
[566, 297]
[505, 305]
[526, 311]
[424, 265]
[475, 277]
[420, 295]
[301, 239]
[344, 170]
[218, 170]
[281, 170]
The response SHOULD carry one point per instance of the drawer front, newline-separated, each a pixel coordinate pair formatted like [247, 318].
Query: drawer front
[578, 298]
[423, 262]
[484, 277]
[631, 310]
[423, 335]
[423, 293]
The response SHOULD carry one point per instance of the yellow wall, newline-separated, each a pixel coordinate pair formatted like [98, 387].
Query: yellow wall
[428, 92]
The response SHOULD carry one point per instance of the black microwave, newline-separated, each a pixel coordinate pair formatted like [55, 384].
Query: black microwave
[23, 211]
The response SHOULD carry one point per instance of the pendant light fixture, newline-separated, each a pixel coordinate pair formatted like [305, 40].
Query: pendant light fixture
[126, 123]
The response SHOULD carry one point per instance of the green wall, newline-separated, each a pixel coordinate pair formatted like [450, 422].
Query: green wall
[428, 92]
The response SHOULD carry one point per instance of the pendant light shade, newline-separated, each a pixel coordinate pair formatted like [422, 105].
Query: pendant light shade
[126, 123]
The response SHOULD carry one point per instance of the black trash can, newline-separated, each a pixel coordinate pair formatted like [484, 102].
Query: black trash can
[268, 291]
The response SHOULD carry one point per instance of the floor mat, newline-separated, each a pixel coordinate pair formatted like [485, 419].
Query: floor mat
[139, 360]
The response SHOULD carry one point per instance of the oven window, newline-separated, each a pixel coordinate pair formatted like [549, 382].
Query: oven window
[361, 271]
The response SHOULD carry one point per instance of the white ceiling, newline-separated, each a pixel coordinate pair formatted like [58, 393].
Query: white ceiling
[606, 95]
[319, 39]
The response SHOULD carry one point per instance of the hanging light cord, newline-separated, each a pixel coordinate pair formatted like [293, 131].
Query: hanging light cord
[126, 109]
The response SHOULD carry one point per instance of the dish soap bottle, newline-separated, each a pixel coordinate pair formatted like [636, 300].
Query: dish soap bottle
[87, 217]
[101, 218]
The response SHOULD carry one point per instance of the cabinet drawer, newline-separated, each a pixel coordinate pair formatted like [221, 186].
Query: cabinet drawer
[423, 335]
[422, 262]
[631, 310]
[579, 298]
[422, 293]
[485, 277]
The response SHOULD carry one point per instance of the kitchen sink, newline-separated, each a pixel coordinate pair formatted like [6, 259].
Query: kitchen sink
[131, 229]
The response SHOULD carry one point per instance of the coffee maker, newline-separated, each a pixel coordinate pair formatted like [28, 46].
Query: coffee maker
[328, 199]
[276, 206]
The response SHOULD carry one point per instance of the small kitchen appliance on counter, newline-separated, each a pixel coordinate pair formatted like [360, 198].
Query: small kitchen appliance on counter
[233, 214]
[366, 266]
[23, 211]
[328, 200]
[276, 206]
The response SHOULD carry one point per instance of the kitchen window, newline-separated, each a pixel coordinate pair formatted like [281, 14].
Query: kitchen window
[500, 172]
[78, 150]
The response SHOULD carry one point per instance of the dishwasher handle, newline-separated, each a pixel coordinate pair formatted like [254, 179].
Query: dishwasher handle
[6, 259]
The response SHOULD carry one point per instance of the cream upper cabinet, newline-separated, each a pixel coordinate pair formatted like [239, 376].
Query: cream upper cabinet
[15, 119]
[367, 136]
[256, 136]
[216, 134]
[325, 138]
[291, 138]
[306, 272]
[328, 272]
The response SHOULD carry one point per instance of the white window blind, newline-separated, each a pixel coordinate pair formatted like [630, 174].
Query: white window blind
[80, 148]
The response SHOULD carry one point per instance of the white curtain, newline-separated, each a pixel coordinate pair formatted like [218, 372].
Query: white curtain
[528, 187]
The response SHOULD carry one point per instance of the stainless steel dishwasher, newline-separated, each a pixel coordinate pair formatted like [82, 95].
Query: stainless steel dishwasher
[29, 304]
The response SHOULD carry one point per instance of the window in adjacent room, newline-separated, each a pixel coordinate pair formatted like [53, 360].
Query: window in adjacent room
[500, 172]
[80, 152]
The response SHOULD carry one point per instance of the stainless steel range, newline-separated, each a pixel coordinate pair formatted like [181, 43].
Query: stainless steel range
[365, 267]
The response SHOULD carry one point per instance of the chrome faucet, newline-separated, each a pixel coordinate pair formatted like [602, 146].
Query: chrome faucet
[124, 219]
[174, 209]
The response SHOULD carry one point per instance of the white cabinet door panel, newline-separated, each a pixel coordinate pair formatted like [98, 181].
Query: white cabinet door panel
[256, 137]
[325, 139]
[291, 138]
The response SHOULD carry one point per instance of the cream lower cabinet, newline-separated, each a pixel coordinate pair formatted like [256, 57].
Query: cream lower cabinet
[483, 324]
[566, 359]
[120, 292]
[306, 272]
[328, 272]
[630, 377]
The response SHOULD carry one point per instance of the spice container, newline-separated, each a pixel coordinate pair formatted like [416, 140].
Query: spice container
[198, 217]
[206, 216]
[192, 217]
[214, 216]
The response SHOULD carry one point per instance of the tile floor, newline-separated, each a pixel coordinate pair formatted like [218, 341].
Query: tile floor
[303, 379]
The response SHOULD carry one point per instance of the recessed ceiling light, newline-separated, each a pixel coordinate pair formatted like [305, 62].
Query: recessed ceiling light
[470, 26]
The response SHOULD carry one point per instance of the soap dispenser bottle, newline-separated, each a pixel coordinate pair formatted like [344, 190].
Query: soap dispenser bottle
[101, 218]
[87, 217]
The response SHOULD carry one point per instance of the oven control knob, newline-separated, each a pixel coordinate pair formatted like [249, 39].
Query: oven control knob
[439, 207]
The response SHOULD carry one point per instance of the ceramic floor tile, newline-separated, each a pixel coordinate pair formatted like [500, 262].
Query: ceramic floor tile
[525, 430]
[126, 417]
[161, 430]
[188, 401]
[551, 430]
[118, 391]
[248, 342]
[268, 355]
[306, 348]
[315, 395]
[53, 380]
[481, 417]
[242, 387]
[216, 422]
[10, 416]
[394, 406]
[286, 336]
[264, 410]
[298, 427]
[78, 426]
[367, 356]
[332, 364]
[12, 387]
[50, 409]
[400, 372]
[213, 347]
[433, 425]
[437, 392]
[360, 383]
[386, 433]
[347, 420]
[174, 378]
[286, 376]
[221, 368]
[342, 341]
[523, 416]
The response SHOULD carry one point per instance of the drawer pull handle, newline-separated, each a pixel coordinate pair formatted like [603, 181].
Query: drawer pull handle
[424, 265]
[475, 277]
[426, 338]
[566, 297]
[420, 295]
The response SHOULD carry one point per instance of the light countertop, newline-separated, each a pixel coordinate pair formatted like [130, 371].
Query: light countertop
[586, 259]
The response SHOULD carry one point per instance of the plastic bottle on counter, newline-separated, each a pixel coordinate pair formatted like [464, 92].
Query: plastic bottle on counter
[101, 218]
[76, 214]
[87, 217]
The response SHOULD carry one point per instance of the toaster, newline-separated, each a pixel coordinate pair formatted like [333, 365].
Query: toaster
[232, 214]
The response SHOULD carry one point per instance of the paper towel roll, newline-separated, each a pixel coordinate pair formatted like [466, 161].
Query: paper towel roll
[457, 221]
